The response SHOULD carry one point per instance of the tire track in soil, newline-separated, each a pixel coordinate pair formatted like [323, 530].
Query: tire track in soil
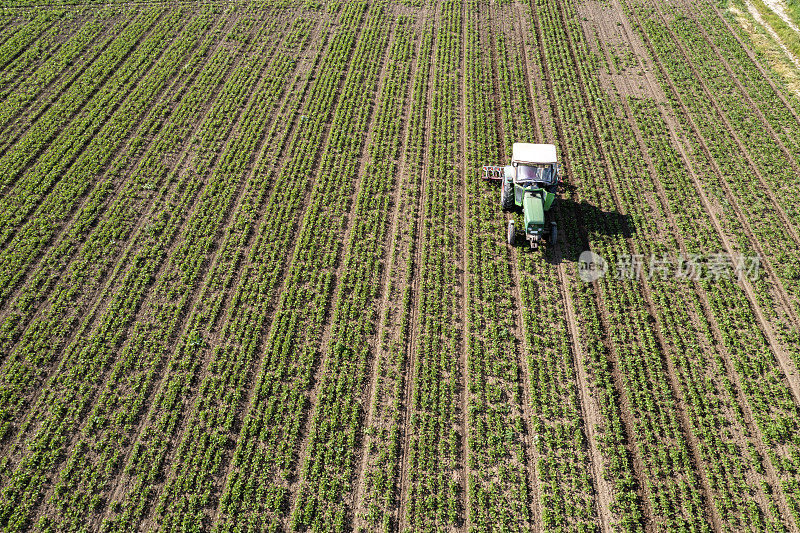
[522, 348]
[340, 262]
[386, 282]
[532, 82]
[741, 399]
[209, 262]
[419, 239]
[753, 59]
[464, 280]
[587, 407]
[173, 85]
[642, 489]
[784, 360]
[407, 257]
[627, 418]
[99, 297]
[685, 426]
[544, 126]
[200, 296]
[531, 453]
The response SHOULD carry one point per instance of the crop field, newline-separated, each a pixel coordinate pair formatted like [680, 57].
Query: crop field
[251, 279]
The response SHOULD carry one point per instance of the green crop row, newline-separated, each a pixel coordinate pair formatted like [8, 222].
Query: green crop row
[120, 124]
[169, 412]
[39, 196]
[192, 483]
[44, 224]
[762, 382]
[567, 499]
[273, 452]
[710, 395]
[24, 35]
[19, 70]
[116, 412]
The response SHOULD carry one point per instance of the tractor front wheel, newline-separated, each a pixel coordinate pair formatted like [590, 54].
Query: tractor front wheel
[507, 195]
[512, 233]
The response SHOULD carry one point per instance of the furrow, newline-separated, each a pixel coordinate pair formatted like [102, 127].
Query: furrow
[422, 164]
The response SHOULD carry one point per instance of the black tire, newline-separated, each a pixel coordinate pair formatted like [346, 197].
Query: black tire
[507, 195]
[553, 234]
[512, 233]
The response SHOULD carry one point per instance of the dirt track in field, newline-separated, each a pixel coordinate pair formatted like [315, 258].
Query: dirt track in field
[409, 371]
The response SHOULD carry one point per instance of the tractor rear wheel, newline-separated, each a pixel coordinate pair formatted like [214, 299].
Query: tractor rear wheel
[507, 195]
[553, 234]
[512, 233]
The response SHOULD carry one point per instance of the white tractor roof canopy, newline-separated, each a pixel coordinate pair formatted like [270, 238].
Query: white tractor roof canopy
[534, 153]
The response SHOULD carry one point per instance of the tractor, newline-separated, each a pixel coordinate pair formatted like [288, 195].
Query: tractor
[529, 182]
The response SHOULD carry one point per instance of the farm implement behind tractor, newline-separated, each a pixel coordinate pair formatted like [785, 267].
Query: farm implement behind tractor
[529, 182]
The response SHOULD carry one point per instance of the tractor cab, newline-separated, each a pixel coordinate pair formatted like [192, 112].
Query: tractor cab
[535, 164]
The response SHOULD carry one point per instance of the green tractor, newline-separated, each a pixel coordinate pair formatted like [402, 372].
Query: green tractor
[530, 182]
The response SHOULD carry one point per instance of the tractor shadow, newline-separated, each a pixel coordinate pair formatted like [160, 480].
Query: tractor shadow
[581, 222]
